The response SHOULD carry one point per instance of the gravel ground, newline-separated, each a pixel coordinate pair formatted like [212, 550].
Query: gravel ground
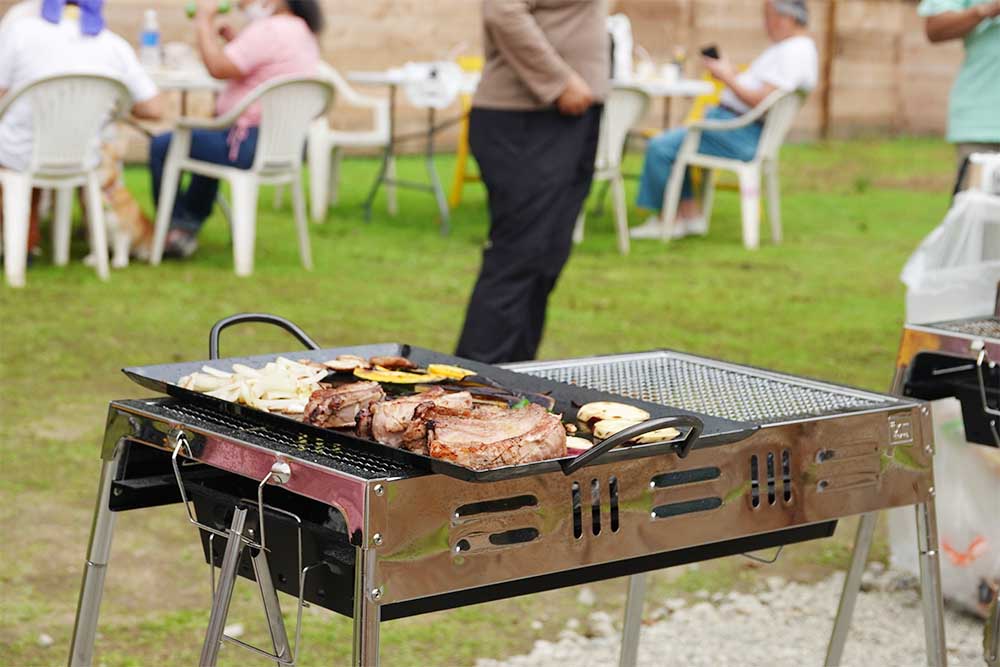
[784, 624]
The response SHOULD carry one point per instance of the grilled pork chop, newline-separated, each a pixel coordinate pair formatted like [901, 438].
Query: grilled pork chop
[401, 422]
[492, 436]
[338, 407]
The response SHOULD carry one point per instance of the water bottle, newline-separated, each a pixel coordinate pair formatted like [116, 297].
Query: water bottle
[149, 41]
[192, 7]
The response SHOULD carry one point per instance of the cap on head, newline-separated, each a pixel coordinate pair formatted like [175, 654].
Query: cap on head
[795, 9]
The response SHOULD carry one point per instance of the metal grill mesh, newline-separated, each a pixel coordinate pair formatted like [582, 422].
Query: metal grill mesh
[301, 445]
[988, 327]
[719, 390]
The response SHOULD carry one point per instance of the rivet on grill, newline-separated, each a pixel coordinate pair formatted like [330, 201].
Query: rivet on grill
[376, 593]
[379, 490]
[377, 539]
[930, 491]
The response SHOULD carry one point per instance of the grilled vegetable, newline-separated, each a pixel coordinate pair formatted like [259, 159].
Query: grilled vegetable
[608, 427]
[394, 377]
[592, 413]
[393, 363]
[577, 446]
[345, 363]
[452, 372]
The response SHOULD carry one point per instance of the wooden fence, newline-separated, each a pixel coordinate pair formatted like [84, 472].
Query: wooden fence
[884, 77]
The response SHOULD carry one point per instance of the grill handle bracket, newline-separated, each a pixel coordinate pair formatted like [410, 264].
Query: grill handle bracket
[684, 421]
[263, 318]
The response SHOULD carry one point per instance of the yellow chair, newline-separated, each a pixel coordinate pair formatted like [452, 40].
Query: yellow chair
[462, 173]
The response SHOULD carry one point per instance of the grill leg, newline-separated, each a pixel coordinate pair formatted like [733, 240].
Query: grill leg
[852, 584]
[930, 585]
[991, 634]
[223, 595]
[98, 552]
[272, 608]
[633, 620]
[366, 611]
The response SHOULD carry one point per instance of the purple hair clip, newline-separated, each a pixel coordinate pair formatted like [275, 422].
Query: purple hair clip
[91, 17]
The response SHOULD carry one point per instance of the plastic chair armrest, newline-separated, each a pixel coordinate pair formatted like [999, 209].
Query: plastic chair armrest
[746, 119]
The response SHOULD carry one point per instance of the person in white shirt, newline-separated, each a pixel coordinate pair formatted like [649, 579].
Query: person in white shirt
[791, 63]
[61, 39]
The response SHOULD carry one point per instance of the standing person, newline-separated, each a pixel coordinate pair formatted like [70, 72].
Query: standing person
[533, 130]
[280, 40]
[974, 104]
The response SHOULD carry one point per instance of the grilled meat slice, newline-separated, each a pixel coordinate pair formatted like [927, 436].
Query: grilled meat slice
[492, 436]
[401, 422]
[339, 406]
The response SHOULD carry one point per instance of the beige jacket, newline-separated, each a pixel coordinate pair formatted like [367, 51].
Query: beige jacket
[531, 46]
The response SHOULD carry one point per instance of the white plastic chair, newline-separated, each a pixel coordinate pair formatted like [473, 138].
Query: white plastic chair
[69, 111]
[623, 109]
[324, 148]
[778, 111]
[288, 106]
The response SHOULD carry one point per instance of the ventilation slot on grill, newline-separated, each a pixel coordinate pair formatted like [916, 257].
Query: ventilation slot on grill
[786, 474]
[516, 536]
[771, 482]
[462, 545]
[754, 482]
[669, 479]
[686, 507]
[613, 492]
[499, 505]
[595, 506]
[577, 511]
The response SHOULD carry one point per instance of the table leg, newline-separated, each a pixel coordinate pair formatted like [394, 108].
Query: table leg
[387, 156]
[433, 176]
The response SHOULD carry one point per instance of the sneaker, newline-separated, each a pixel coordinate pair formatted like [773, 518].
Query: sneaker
[180, 244]
[653, 229]
[697, 226]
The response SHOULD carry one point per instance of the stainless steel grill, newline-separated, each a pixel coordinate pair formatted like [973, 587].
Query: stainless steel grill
[378, 540]
[988, 327]
[694, 383]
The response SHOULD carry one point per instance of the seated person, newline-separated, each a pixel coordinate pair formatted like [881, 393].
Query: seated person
[279, 41]
[62, 38]
[790, 63]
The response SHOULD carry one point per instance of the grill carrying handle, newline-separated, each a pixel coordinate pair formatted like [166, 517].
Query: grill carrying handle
[264, 318]
[606, 445]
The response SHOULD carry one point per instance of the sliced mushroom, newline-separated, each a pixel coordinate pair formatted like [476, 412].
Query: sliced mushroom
[577, 445]
[393, 363]
[591, 413]
[345, 363]
[608, 427]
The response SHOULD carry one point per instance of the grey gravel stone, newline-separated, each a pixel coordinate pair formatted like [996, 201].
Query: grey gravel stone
[586, 597]
[792, 629]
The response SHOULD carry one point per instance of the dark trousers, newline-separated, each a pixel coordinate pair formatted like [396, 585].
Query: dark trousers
[537, 167]
[194, 203]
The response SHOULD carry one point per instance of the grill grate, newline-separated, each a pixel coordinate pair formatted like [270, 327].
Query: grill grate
[304, 446]
[987, 327]
[710, 388]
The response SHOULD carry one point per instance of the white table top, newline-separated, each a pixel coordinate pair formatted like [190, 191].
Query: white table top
[663, 88]
[396, 76]
[188, 79]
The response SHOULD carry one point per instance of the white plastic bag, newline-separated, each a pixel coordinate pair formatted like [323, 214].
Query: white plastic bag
[967, 479]
[955, 270]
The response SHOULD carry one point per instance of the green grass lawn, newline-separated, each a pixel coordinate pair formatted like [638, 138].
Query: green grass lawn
[827, 303]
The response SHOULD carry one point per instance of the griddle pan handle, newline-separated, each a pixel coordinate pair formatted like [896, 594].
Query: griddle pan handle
[265, 318]
[606, 445]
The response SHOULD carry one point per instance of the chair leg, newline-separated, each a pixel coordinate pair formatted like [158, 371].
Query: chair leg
[98, 230]
[581, 221]
[168, 192]
[750, 205]
[707, 195]
[16, 218]
[390, 187]
[672, 199]
[301, 224]
[245, 190]
[621, 213]
[61, 223]
[318, 159]
[334, 181]
[773, 200]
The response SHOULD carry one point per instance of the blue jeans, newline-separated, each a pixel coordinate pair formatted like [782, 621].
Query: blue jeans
[194, 204]
[662, 151]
